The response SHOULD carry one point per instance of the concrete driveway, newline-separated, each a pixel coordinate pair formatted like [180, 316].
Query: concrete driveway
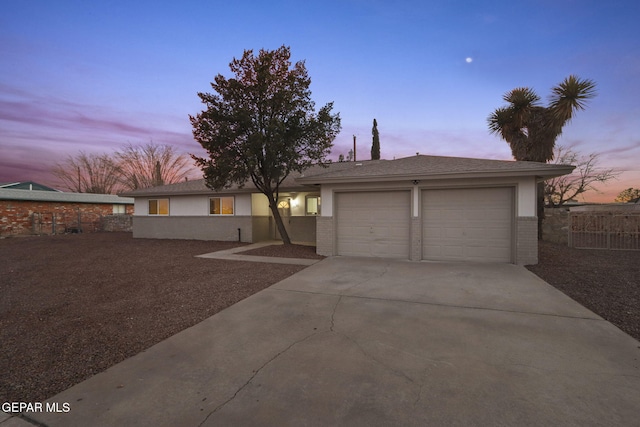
[362, 342]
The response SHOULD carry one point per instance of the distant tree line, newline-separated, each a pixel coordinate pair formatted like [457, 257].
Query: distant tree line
[131, 168]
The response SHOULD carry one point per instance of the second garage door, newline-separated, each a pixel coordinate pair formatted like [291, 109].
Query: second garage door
[375, 224]
[474, 224]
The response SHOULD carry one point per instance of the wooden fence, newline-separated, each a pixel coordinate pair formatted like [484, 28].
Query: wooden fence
[613, 227]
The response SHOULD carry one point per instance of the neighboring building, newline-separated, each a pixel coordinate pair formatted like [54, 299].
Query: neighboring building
[25, 211]
[417, 208]
[27, 185]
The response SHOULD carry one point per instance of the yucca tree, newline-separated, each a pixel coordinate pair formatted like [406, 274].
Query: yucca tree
[531, 129]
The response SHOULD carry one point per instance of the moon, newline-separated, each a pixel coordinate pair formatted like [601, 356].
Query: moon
[469, 60]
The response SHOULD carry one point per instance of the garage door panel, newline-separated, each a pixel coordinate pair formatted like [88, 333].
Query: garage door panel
[467, 224]
[373, 224]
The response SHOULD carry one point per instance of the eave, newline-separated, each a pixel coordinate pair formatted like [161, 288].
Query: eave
[540, 174]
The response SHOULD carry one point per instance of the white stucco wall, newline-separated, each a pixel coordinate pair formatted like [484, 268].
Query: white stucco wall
[188, 205]
[259, 205]
[525, 190]
[140, 206]
[297, 203]
[243, 204]
[193, 205]
[526, 197]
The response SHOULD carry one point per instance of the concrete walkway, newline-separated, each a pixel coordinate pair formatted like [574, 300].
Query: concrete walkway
[234, 255]
[371, 342]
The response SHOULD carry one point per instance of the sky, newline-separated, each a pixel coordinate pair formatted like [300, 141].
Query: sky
[95, 76]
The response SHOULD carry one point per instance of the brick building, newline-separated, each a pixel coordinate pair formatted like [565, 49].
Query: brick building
[40, 211]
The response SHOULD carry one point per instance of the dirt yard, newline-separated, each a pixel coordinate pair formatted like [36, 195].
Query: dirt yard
[73, 305]
[606, 282]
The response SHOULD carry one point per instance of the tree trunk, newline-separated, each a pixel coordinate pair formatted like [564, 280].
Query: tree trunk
[273, 204]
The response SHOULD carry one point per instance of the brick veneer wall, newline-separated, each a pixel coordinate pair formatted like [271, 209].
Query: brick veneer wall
[324, 235]
[416, 239]
[527, 240]
[219, 227]
[18, 216]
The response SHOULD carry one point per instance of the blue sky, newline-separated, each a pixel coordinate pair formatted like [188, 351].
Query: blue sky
[94, 76]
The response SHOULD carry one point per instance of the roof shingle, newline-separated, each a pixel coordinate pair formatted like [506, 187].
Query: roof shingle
[425, 167]
[414, 167]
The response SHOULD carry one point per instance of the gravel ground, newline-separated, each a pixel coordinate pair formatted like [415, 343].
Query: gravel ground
[73, 305]
[606, 282]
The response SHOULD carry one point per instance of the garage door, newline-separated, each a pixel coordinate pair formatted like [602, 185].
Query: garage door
[374, 224]
[467, 224]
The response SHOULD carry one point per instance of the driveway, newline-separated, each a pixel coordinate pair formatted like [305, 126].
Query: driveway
[362, 342]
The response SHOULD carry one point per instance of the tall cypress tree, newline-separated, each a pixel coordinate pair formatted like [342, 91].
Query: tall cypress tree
[375, 147]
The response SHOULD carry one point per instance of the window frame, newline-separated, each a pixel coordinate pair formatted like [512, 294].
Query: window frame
[318, 205]
[233, 206]
[158, 207]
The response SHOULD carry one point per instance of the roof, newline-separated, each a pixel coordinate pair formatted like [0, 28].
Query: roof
[422, 167]
[198, 186]
[26, 185]
[59, 196]
[419, 167]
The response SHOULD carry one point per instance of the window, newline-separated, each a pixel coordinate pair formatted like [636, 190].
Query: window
[221, 206]
[313, 205]
[159, 207]
[119, 209]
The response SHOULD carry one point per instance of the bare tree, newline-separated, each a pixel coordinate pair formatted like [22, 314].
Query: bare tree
[88, 173]
[558, 191]
[150, 165]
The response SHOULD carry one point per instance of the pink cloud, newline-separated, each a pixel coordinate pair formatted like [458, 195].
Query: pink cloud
[38, 131]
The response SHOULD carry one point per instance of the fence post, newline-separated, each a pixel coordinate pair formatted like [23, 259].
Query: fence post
[607, 229]
[570, 230]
